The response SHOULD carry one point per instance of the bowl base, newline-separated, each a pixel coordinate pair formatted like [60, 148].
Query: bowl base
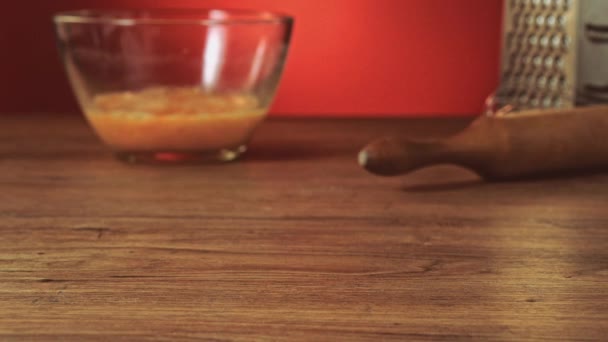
[181, 157]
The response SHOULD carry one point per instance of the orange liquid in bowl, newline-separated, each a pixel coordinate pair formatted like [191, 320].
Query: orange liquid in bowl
[174, 120]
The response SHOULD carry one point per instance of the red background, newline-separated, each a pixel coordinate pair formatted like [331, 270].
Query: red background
[349, 57]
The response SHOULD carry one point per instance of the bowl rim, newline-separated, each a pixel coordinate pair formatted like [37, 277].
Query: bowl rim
[128, 17]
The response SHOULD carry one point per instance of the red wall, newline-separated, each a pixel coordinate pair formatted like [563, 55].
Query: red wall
[349, 57]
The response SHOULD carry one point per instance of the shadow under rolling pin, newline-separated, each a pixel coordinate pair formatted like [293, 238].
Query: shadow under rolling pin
[529, 143]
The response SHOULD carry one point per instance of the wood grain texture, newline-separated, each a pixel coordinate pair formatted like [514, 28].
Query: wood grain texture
[294, 242]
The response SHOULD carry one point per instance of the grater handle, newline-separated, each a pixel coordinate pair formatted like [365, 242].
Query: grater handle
[597, 34]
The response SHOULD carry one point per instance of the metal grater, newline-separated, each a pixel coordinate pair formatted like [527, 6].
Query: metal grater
[554, 53]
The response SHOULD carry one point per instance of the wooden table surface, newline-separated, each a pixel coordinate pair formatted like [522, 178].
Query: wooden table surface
[294, 242]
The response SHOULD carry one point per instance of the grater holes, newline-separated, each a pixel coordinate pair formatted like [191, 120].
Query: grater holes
[557, 102]
[537, 61]
[562, 21]
[527, 60]
[530, 20]
[531, 80]
[521, 4]
[518, 79]
[533, 40]
[540, 21]
[515, 20]
[549, 62]
[551, 21]
[523, 99]
[561, 85]
[566, 42]
[508, 79]
[544, 41]
[534, 101]
[554, 83]
[559, 63]
[541, 81]
[556, 41]
[510, 40]
[523, 22]
[521, 38]
[537, 48]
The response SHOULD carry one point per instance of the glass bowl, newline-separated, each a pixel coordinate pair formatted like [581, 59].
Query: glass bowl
[174, 85]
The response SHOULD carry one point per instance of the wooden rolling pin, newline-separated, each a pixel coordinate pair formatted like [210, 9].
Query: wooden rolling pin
[529, 143]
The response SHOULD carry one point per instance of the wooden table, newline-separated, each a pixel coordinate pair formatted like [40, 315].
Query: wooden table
[294, 242]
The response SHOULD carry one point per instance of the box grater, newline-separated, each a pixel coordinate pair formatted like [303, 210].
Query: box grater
[554, 53]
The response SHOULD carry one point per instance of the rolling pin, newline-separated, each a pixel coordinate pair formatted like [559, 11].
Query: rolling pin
[528, 143]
